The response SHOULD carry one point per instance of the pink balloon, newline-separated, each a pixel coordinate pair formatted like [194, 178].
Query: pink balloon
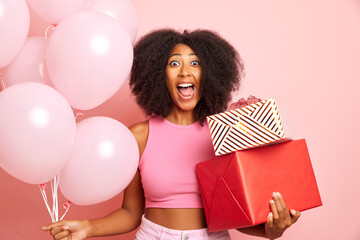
[89, 57]
[29, 65]
[14, 27]
[121, 10]
[103, 162]
[53, 11]
[37, 129]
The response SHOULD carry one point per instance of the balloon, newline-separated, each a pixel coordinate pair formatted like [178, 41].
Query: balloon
[89, 57]
[29, 65]
[121, 10]
[53, 11]
[103, 162]
[37, 129]
[14, 27]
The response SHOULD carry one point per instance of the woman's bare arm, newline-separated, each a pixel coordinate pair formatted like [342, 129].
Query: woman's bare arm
[122, 220]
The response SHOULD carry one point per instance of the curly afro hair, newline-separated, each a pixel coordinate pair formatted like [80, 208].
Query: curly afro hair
[222, 70]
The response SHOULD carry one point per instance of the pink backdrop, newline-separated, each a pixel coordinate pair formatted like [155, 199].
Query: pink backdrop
[305, 54]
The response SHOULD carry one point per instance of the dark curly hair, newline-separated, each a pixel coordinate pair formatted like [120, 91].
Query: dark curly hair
[222, 70]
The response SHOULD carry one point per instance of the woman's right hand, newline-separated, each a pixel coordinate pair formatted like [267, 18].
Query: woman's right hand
[69, 229]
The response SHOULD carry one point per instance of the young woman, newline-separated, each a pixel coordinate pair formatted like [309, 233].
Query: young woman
[178, 79]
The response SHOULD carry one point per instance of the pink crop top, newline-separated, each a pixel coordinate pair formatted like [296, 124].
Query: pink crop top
[167, 166]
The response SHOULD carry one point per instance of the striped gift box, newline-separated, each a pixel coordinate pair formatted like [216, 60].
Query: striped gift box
[255, 125]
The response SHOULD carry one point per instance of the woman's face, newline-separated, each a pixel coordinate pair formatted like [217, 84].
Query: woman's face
[183, 74]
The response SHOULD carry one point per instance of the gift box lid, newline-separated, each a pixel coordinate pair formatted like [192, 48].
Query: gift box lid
[255, 125]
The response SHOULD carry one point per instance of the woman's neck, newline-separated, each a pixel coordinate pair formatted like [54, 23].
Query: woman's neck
[181, 117]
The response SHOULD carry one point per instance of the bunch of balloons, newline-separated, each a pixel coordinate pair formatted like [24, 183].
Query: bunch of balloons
[81, 65]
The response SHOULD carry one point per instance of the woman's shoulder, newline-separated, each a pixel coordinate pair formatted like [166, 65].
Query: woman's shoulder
[140, 131]
[140, 127]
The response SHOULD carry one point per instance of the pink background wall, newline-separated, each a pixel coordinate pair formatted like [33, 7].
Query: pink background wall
[305, 54]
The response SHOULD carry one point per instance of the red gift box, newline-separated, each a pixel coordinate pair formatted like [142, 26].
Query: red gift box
[236, 188]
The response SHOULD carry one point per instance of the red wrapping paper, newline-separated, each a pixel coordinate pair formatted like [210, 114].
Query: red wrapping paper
[236, 188]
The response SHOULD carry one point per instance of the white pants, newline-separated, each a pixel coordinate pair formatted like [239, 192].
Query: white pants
[152, 231]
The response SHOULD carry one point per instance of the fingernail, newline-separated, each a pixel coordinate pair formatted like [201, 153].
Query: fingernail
[293, 211]
[278, 194]
[272, 201]
[274, 194]
[66, 227]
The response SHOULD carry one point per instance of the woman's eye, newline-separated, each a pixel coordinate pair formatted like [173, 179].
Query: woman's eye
[195, 62]
[174, 63]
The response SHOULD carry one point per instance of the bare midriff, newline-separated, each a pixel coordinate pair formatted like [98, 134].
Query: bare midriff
[177, 218]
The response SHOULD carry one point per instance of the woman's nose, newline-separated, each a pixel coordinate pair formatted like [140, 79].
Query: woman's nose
[184, 71]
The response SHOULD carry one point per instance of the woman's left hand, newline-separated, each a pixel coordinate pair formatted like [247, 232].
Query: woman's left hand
[280, 218]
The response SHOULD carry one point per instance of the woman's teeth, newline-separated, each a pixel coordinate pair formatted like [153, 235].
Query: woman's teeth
[185, 89]
[185, 85]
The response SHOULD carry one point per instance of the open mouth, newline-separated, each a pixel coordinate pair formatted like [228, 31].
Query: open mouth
[186, 90]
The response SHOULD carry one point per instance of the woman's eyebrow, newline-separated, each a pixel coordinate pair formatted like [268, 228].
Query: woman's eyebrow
[178, 54]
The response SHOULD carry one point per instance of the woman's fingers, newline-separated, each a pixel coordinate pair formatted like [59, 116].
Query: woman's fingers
[62, 235]
[274, 211]
[282, 217]
[270, 220]
[66, 238]
[287, 217]
[294, 215]
[282, 202]
[279, 207]
[56, 230]
[51, 225]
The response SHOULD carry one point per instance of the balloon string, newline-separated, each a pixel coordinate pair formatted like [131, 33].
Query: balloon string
[45, 200]
[56, 184]
[53, 203]
[54, 188]
[43, 193]
[54, 212]
[52, 27]
[67, 207]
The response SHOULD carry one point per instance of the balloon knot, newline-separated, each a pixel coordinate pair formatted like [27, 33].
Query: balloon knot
[66, 206]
